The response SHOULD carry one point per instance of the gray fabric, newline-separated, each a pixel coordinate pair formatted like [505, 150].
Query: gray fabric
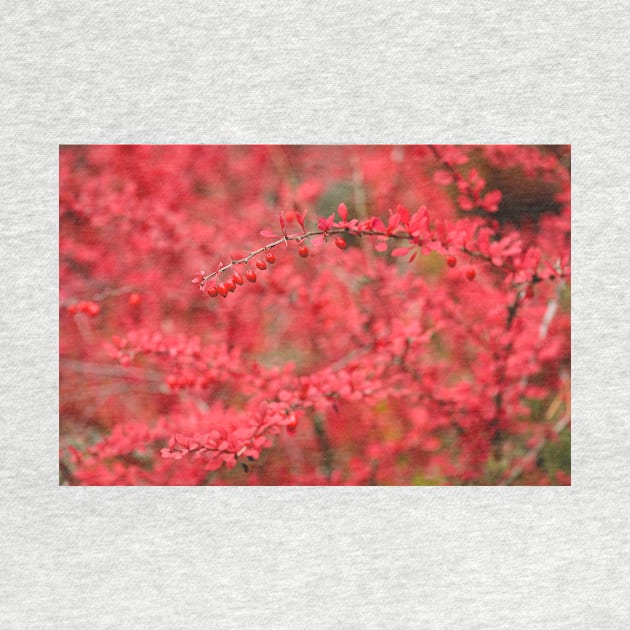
[336, 72]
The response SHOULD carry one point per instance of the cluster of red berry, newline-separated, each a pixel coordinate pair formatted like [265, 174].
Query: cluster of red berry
[84, 306]
[223, 287]
[470, 272]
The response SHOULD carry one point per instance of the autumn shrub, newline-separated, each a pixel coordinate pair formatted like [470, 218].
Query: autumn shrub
[389, 315]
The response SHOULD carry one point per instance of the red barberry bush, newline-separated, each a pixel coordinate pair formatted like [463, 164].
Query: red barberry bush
[357, 315]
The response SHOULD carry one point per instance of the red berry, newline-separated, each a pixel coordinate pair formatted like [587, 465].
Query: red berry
[134, 299]
[451, 261]
[93, 308]
[238, 279]
[261, 264]
[292, 424]
[303, 251]
[250, 274]
[72, 309]
[222, 289]
[230, 286]
[471, 273]
[212, 291]
[270, 258]
[340, 243]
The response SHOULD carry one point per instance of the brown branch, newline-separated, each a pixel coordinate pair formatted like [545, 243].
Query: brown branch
[301, 237]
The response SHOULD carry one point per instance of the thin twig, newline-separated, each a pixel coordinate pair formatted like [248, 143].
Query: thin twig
[301, 237]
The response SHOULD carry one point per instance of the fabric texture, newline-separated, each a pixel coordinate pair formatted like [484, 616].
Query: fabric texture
[303, 72]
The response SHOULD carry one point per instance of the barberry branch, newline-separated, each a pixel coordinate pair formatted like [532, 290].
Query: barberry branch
[299, 238]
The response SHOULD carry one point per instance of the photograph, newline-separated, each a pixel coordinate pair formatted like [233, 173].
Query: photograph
[315, 315]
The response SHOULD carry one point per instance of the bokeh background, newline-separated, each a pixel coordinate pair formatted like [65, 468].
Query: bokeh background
[136, 224]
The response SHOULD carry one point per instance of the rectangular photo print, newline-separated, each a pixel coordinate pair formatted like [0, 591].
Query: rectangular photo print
[304, 315]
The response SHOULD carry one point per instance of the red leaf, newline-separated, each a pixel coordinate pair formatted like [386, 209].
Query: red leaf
[442, 178]
[491, 200]
[400, 251]
[198, 277]
[299, 217]
[214, 464]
